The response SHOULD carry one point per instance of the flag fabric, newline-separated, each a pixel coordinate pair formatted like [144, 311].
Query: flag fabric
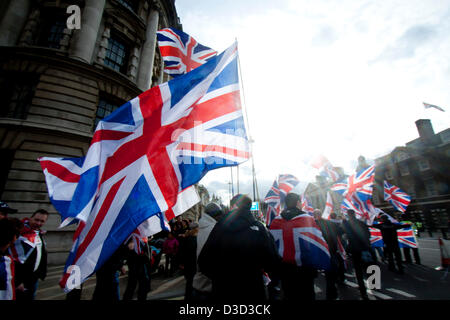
[364, 210]
[427, 106]
[376, 239]
[397, 197]
[306, 207]
[325, 168]
[143, 155]
[276, 195]
[299, 241]
[180, 52]
[406, 237]
[359, 184]
[25, 243]
[7, 286]
[272, 200]
[328, 207]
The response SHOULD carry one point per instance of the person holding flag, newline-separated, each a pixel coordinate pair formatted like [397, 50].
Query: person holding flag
[303, 250]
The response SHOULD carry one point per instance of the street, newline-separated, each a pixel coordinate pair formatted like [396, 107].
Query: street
[420, 282]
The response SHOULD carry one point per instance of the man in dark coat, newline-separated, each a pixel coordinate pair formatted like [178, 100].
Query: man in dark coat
[358, 236]
[34, 267]
[331, 233]
[390, 239]
[236, 253]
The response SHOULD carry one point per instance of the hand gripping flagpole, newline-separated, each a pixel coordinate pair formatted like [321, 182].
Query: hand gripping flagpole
[250, 140]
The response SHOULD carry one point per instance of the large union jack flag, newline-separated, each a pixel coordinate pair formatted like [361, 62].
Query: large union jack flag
[149, 151]
[406, 237]
[397, 197]
[299, 241]
[180, 52]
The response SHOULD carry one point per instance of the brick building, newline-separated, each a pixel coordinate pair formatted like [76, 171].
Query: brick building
[57, 83]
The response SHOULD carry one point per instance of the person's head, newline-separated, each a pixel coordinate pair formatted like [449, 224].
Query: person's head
[170, 235]
[384, 219]
[291, 200]
[351, 214]
[241, 202]
[5, 210]
[9, 232]
[185, 223]
[38, 219]
[317, 214]
[214, 210]
[333, 216]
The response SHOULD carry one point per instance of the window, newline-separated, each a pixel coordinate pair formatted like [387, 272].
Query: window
[117, 55]
[423, 164]
[402, 156]
[430, 186]
[17, 91]
[52, 30]
[404, 170]
[105, 108]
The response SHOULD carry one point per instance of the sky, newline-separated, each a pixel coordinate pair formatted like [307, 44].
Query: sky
[339, 78]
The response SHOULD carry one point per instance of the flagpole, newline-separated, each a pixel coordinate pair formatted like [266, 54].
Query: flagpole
[232, 184]
[237, 168]
[250, 140]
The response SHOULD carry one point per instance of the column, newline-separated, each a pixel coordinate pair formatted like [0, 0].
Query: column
[148, 51]
[83, 41]
[13, 21]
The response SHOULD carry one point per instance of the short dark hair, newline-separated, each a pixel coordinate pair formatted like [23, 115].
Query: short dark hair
[242, 201]
[9, 227]
[40, 211]
[351, 213]
[291, 200]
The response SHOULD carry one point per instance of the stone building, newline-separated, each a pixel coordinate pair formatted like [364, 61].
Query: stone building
[57, 83]
[421, 169]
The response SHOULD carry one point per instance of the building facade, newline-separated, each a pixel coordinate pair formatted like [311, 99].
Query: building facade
[421, 169]
[57, 83]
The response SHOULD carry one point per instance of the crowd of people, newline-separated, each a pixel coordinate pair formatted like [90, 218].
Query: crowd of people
[226, 254]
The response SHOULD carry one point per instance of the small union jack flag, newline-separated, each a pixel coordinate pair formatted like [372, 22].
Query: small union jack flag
[325, 168]
[306, 207]
[397, 197]
[359, 184]
[376, 239]
[272, 200]
[180, 52]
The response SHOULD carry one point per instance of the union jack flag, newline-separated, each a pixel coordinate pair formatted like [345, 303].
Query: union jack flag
[299, 241]
[364, 210]
[180, 52]
[406, 237]
[24, 245]
[286, 182]
[150, 150]
[306, 207]
[272, 200]
[359, 185]
[397, 197]
[325, 168]
[376, 239]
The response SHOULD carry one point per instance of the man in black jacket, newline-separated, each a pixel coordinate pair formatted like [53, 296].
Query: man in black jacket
[35, 265]
[358, 236]
[237, 251]
[390, 239]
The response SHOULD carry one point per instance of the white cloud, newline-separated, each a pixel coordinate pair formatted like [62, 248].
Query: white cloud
[311, 85]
